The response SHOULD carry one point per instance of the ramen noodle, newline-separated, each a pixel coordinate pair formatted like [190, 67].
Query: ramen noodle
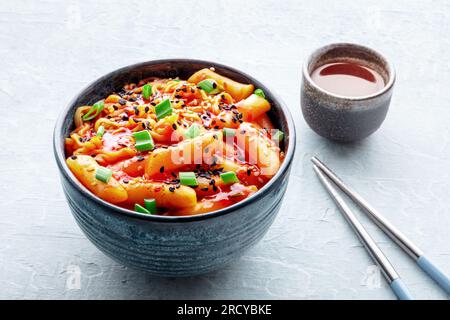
[176, 147]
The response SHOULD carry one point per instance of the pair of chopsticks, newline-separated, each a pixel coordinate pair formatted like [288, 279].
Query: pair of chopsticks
[394, 280]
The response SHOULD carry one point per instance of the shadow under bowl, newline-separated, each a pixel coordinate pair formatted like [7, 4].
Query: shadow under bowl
[172, 246]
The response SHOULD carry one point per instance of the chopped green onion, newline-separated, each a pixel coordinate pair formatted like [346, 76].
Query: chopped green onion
[176, 80]
[147, 91]
[141, 209]
[150, 205]
[278, 136]
[229, 132]
[209, 85]
[144, 141]
[163, 109]
[100, 131]
[188, 179]
[94, 110]
[103, 174]
[229, 177]
[193, 131]
[260, 93]
[145, 146]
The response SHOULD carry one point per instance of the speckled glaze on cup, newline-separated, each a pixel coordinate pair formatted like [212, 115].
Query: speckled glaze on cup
[340, 118]
[173, 246]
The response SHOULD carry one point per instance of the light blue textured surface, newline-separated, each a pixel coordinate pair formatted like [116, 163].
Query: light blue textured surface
[434, 272]
[400, 290]
[51, 49]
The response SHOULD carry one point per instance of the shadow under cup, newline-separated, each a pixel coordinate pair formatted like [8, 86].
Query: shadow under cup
[342, 118]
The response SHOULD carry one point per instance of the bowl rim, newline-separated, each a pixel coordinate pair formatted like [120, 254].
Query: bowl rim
[59, 153]
[389, 66]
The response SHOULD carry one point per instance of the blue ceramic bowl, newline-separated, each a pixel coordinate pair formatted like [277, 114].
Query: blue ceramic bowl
[172, 246]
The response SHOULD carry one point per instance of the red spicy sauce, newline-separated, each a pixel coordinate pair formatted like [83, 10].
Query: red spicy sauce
[348, 79]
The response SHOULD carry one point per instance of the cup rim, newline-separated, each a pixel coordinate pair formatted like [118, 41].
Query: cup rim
[58, 148]
[389, 66]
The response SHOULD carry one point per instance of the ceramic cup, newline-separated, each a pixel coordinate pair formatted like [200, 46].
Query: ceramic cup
[341, 118]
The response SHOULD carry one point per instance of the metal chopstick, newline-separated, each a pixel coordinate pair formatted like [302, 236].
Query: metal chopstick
[407, 245]
[375, 252]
